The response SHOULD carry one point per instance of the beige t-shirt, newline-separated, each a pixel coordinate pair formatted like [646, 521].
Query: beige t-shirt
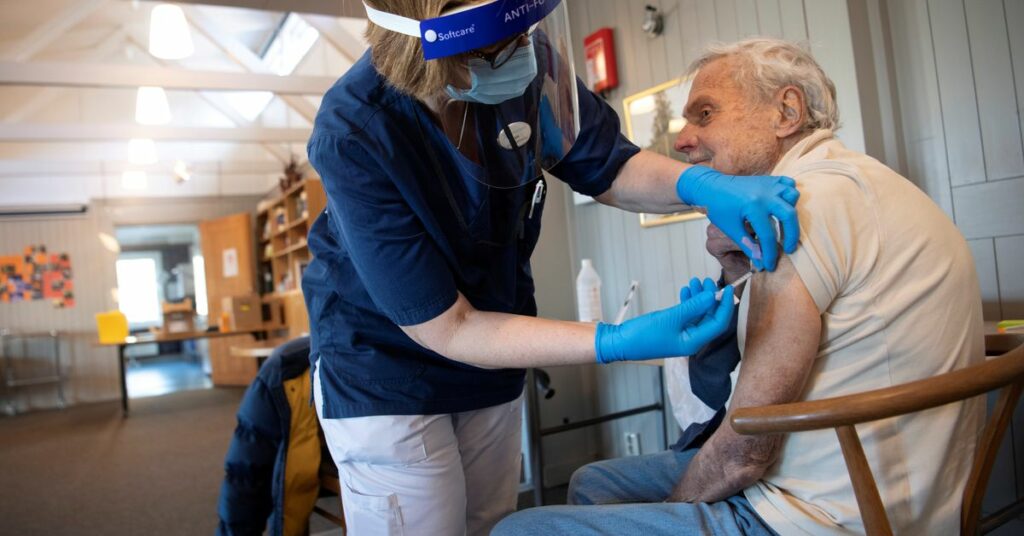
[899, 299]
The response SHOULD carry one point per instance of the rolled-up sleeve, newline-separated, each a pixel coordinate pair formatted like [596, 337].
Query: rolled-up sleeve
[399, 264]
[600, 150]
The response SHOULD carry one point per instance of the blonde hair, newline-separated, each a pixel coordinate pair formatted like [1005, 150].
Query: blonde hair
[399, 57]
[767, 65]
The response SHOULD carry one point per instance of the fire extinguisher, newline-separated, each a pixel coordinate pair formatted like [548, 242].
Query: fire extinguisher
[602, 69]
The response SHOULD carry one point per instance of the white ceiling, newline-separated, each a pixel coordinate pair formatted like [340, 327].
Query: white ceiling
[64, 138]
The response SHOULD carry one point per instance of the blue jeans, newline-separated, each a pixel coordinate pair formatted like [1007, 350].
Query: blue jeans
[623, 496]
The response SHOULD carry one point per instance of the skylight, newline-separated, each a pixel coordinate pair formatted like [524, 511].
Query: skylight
[290, 44]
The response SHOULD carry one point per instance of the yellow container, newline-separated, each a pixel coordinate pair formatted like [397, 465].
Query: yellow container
[112, 327]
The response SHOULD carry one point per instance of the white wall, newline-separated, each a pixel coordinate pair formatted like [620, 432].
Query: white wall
[958, 70]
[92, 371]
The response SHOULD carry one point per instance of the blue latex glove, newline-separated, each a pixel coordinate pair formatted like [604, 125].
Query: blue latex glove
[734, 201]
[679, 330]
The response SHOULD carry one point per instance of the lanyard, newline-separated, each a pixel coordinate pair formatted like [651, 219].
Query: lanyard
[518, 229]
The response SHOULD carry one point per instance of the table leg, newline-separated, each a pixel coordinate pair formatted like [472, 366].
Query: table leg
[665, 406]
[536, 450]
[124, 380]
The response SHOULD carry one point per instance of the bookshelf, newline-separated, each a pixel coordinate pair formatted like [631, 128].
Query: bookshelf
[282, 224]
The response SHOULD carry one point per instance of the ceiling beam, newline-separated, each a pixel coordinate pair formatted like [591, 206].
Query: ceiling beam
[240, 54]
[44, 97]
[53, 28]
[76, 132]
[51, 168]
[133, 76]
[210, 97]
[334, 8]
[347, 44]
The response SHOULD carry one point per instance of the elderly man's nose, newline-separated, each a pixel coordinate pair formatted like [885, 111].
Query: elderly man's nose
[686, 140]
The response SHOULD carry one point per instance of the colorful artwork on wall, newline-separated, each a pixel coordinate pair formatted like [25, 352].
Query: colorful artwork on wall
[37, 275]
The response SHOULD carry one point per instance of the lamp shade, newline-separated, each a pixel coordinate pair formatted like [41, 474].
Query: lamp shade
[142, 151]
[169, 36]
[151, 106]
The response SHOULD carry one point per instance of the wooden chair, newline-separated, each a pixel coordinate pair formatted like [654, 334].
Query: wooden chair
[330, 486]
[842, 413]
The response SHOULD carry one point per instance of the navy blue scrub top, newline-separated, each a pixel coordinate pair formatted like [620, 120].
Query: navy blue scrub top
[390, 251]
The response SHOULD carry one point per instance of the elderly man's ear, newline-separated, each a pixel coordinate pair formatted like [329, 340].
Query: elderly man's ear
[791, 108]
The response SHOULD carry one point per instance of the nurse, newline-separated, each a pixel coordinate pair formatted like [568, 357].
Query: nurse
[433, 150]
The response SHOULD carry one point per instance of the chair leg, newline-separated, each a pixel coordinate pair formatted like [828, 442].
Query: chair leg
[988, 448]
[870, 503]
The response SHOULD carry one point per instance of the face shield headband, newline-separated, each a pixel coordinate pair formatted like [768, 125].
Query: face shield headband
[468, 27]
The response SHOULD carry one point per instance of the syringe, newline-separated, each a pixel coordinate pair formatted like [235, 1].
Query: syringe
[735, 285]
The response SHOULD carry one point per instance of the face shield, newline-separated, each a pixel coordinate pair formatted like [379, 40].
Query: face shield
[522, 125]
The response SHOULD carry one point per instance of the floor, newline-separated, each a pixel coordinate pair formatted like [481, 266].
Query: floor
[87, 470]
[164, 374]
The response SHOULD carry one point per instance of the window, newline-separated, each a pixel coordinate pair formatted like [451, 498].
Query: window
[199, 278]
[138, 291]
[289, 45]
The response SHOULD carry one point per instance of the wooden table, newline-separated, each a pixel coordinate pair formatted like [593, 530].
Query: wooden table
[260, 352]
[167, 337]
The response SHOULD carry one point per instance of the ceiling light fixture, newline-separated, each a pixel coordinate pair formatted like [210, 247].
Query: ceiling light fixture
[134, 180]
[151, 107]
[169, 36]
[142, 152]
[181, 172]
[110, 243]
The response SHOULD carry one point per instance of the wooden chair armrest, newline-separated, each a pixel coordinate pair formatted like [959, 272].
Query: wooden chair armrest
[882, 403]
[1000, 343]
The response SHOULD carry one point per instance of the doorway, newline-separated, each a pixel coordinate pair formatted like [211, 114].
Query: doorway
[159, 269]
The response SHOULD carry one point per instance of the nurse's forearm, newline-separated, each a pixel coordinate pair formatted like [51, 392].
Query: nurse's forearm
[499, 340]
[646, 183]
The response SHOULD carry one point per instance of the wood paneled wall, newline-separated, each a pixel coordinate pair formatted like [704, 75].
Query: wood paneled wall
[93, 372]
[959, 70]
[933, 88]
[663, 258]
[959, 67]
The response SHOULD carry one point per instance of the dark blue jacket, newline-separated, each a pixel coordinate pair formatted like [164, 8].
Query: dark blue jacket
[269, 460]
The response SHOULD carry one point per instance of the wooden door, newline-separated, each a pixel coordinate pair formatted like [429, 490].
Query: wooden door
[227, 245]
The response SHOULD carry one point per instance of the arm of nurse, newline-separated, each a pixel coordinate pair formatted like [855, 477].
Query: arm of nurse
[499, 340]
[646, 183]
[783, 331]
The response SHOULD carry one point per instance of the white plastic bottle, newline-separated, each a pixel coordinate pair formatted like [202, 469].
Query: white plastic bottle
[588, 293]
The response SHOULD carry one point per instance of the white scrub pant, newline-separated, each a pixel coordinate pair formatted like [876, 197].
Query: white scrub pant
[437, 475]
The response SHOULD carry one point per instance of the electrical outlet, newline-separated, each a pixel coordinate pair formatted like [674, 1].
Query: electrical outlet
[632, 444]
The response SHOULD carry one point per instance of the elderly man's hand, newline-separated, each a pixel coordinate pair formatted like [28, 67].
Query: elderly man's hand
[734, 262]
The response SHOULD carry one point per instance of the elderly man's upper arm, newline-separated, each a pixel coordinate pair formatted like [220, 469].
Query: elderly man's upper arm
[782, 336]
[783, 330]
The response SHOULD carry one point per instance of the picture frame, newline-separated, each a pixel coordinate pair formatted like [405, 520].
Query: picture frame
[654, 117]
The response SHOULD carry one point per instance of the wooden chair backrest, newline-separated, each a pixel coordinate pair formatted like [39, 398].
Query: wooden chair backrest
[1005, 373]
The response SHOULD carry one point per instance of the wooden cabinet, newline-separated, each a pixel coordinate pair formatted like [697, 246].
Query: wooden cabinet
[227, 245]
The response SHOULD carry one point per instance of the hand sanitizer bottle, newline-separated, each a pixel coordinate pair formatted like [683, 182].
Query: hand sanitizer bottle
[588, 293]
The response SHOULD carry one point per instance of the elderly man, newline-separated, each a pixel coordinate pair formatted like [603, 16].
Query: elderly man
[881, 291]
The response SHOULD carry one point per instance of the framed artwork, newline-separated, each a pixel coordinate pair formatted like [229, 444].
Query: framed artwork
[654, 118]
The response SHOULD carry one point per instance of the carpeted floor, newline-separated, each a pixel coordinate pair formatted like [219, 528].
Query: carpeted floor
[86, 470]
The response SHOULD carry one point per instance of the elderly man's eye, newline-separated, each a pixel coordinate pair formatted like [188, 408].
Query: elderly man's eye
[705, 114]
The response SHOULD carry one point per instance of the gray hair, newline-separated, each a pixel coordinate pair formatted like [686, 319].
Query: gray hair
[768, 65]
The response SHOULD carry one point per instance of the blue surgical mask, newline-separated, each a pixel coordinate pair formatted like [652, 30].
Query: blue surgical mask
[495, 86]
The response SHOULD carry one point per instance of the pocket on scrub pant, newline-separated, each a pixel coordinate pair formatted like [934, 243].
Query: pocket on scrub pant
[372, 515]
